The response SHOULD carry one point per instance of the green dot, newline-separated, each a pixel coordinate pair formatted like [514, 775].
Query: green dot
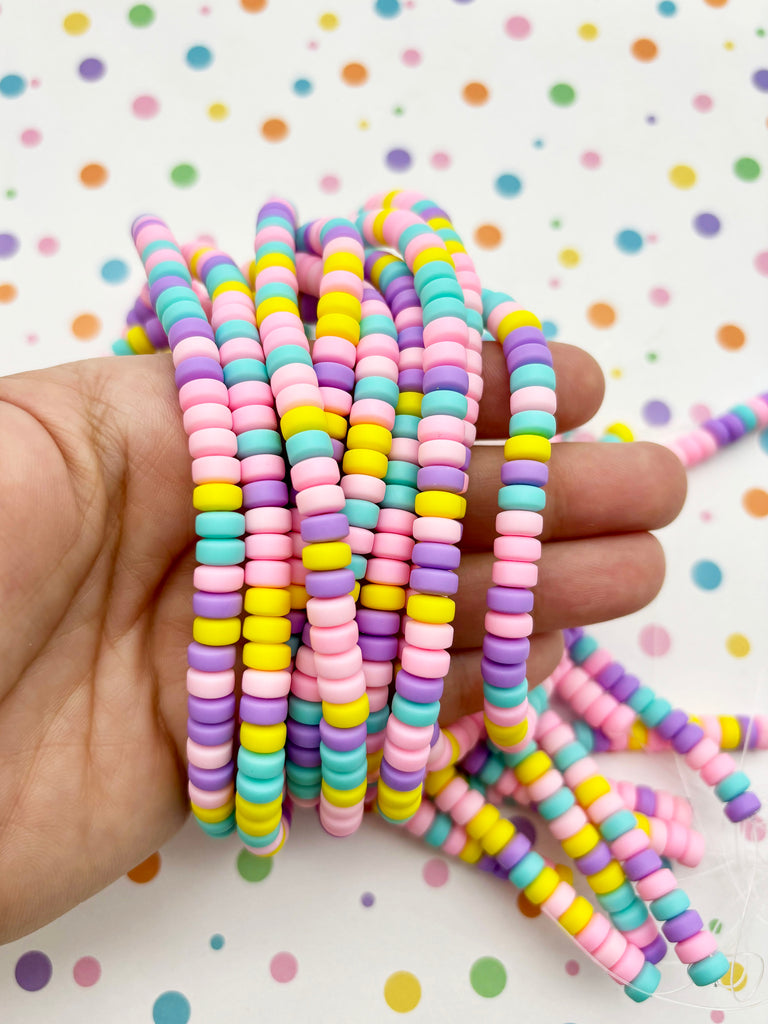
[555, 224]
[488, 976]
[184, 175]
[141, 15]
[253, 868]
[10, 193]
[747, 169]
[398, 111]
[760, 32]
[562, 94]
[715, 926]
[651, 357]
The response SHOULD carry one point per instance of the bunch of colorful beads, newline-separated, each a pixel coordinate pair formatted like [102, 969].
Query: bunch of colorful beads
[330, 391]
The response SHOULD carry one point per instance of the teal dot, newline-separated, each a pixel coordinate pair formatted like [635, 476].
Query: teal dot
[763, 439]
[302, 87]
[199, 57]
[508, 185]
[387, 8]
[12, 85]
[549, 328]
[629, 241]
[171, 1008]
[666, 8]
[707, 575]
[217, 941]
[114, 271]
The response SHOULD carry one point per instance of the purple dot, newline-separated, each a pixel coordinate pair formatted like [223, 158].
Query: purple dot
[398, 159]
[525, 826]
[760, 79]
[9, 245]
[33, 971]
[651, 119]
[657, 413]
[367, 899]
[92, 69]
[706, 224]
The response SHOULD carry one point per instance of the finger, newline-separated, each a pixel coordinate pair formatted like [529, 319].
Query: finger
[593, 489]
[580, 582]
[580, 388]
[464, 684]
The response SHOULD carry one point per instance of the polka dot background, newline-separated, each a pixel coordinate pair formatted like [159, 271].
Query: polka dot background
[607, 165]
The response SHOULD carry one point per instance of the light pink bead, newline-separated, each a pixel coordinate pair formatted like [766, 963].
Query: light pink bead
[405, 449]
[315, 473]
[470, 804]
[202, 390]
[445, 329]
[268, 546]
[339, 666]
[334, 639]
[694, 849]
[209, 757]
[285, 332]
[644, 933]
[240, 348]
[329, 612]
[698, 947]
[275, 233]
[506, 717]
[605, 806]
[520, 523]
[445, 353]
[298, 572]
[451, 794]
[273, 847]
[475, 388]
[611, 949]
[405, 760]
[456, 841]
[594, 933]
[268, 519]
[430, 636]
[760, 409]
[586, 696]
[655, 885]
[569, 823]
[360, 540]
[212, 441]
[422, 820]
[341, 691]
[358, 485]
[378, 673]
[579, 772]
[600, 709]
[210, 799]
[539, 399]
[556, 904]
[425, 663]
[517, 549]
[627, 968]
[546, 785]
[597, 661]
[392, 545]
[619, 722]
[627, 845]
[219, 579]
[373, 410]
[375, 741]
[515, 574]
[249, 392]
[216, 469]
[293, 373]
[340, 821]
[264, 573]
[278, 275]
[320, 499]
[701, 753]
[442, 453]
[570, 683]
[253, 417]
[408, 737]
[259, 683]
[498, 314]
[718, 768]
[262, 467]
[334, 350]
[305, 686]
[189, 348]
[210, 685]
[207, 415]
[295, 395]
[409, 317]
[377, 696]
[389, 571]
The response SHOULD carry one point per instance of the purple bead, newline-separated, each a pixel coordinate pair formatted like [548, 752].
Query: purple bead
[325, 527]
[399, 780]
[306, 635]
[157, 287]
[682, 927]
[526, 354]
[377, 622]
[742, 806]
[609, 676]
[337, 449]
[303, 735]
[342, 739]
[211, 778]
[572, 634]
[142, 311]
[217, 606]
[446, 378]
[263, 710]
[405, 300]
[522, 336]
[600, 742]
[718, 430]
[734, 425]
[338, 231]
[514, 851]
[335, 375]
[467, 459]
[211, 659]
[306, 757]
[672, 724]
[155, 331]
[640, 865]
[297, 618]
[189, 327]
[514, 600]
[525, 471]
[435, 581]
[410, 337]
[687, 738]
[655, 951]
[435, 734]
[625, 687]
[131, 319]
[398, 286]
[210, 735]
[211, 711]
[308, 308]
[411, 380]
[507, 650]
[197, 368]
[441, 478]
[475, 760]
[595, 860]
[432, 555]
[265, 493]
[418, 689]
[274, 208]
[748, 732]
[496, 674]
[645, 800]
[370, 294]
[330, 583]
[378, 648]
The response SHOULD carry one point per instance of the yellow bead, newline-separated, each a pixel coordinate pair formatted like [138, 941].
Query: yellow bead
[638, 735]
[344, 797]
[382, 596]
[591, 789]
[374, 760]
[582, 842]
[621, 430]
[378, 225]
[303, 417]
[436, 782]
[231, 286]
[267, 601]
[607, 880]
[334, 554]
[730, 731]
[383, 261]
[273, 259]
[505, 736]
[442, 504]
[343, 261]
[409, 404]
[347, 716]
[527, 446]
[390, 197]
[267, 657]
[440, 223]
[482, 822]
[216, 632]
[533, 767]
[266, 629]
[217, 498]
[336, 425]
[197, 256]
[542, 887]
[497, 837]
[137, 338]
[430, 608]
[339, 302]
[278, 304]
[642, 823]
[258, 812]
[365, 462]
[515, 319]
[453, 245]
[298, 596]
[338, 325]
[370, 436]
[577, 916]
[395, 803]
[455, 748]
[259, 828]
[472, 852]
[262, 739]
[433, 255]
[213, 814]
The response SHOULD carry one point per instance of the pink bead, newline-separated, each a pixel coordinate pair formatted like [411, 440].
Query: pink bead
[333, 639]
[517, 549]
[334, 611]
[579, 772]
[718, 768]
[556, 904]
[475, 388]
[586, 696]
[259, 683]
[410, 317]
[627, 845]
[256, 468]
[760, 408]
[594, 933]
[216, 469]
[422, 820]
[694, 849]
[538, 399]
[441, 450]
[202, 390]
[702, 753]
[473, 409]
[456, 841]
[377, 366]
[339, 666]
[596, 662]
[515, 574]
[556, 738]
[293, 373]
[268, 546]
[320, 499]
[378, 673]
[296, 395]
[268, 520]
[619, 722]
[392, 545]
[342, 281]
[264, 573]
[277, 275]
[275, 233]
[644, 933]
[388, 571]
[273, 847]
[341, 691]
[570, 683]
[469, 805]
[219, 579]
[212, 441]
[546, 785]
[377, 344]
[451, 794]
[305, 686]
[611, 949]
[373, 410]
[240, 348]
[519, 523]
[396, 520]
[360, 540]
[368, 488]
[445, 353]
[338, 350]
[605, 806]
[600, 708]
[428, 635]
[411, 359]
[656, 885]
[405, 760]
[405, 449]
[209, 757]
[210, 685]
[315, 472]
[189, 348]
[506, 717]
[425, 663]
[698, 947]
[569, 823]
[340, 821]
[210, 799]
[408, 737]
[253, 417]
[628, 966]
[284, 332]
[375, 741]
[249, 392]
[445, 328]
[377, 696]
[207, 415]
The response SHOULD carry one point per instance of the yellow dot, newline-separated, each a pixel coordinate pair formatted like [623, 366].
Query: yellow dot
[328, 22]
[729, 45]
[402, 991]
[76, 23]
[588, 31]
[682, 176]
[569, 258]
[218, 111]
[735, 977]
[363, 126]
[738, 645]
[616, 373]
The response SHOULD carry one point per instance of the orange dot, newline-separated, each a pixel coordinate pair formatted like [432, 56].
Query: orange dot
[475, 93]
[253, 6]
[488, 236]
[716, 3]
[8, 292]
[86, 326]
[354, 74]
[525, 906]
[731, 337]
[644, 49]
[755, 502]
[145, 871]
[93, 175]
[600, 314]
[274, 130]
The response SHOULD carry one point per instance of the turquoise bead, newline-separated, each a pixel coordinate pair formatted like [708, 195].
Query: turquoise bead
[512, 760]
[610, 439]
[300, 792]
[159, 243]
[259, 791]
[182, 310]
[439, 308]
[475, 321]
[223, 273]
[220, 551]
[122, 348]
[530, 422]
[709, 970]
[491, 300]
[656, 712]
[527, 869]
[358, 564]
[491, 771]
[338, 222]
[641, 699]
[435, 271]
[505, 697]
[618, 899]
[274, 290]
[569, 754]
[537, 698]
[258, 841]
[438, 831]
[240, 370]
[235, 329]
[259, 442]
[670, 905]
[734, 785]
[582, 649]
[392, 272]
[448, 235]
[308, 444]
[260, 766]
[406, 426]
[414, 231]
[287, 355]
[442, 288]
[630, 917]
[359, 512]
[376, 323]
[294, 643]
[177, 293]
[220, 525]
[417, 715]
[269, 248]
[345, 780]
[584, 735]
[617, 824]
[398, 496]
[218, 829]
[444, 403]
[309, 712]
[476, 784]
[343, 760]
[645, 984]
[275, 221]
[522, 496]
[553, 806]
[377, 720]
[301, 775]
[381, 388]
[533, 375]
[169, 268]
[401, 473]
[746, 416]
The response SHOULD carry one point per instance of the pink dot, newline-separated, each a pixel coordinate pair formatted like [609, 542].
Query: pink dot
[32, 339]
[312, 44]
[590, 160]
[440, 161]
[145, 106]
[31, 137]
[655, 640]
[330, 183]
[87, 971]
[207, 240]
[702, 102]
[572, 968]
[582, 435]
[436, 872]
[659, 296]
[699, 413]
[706, 517]
[205, 10]
[761, 263]
[754, 829]
[283, 967]
[34, 83]
[518, 28]
[554, 282]
[717, 1017]
[651, 239]
[48, 246]
[411, 58]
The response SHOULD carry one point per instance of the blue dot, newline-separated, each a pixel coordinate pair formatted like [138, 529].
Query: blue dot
[666, 8]
[508, 185]
[171, 1008]
[706, 574]
[114, 271]
[12, 85]
[629, 240]
[549, 328]
[538, 143]
[763, 439]
[387, 8]
[199, 57]
[217, 941]
[302, 87]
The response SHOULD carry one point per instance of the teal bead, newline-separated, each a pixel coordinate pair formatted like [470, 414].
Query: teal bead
[169, 268]
[553, 806]
[401, 473]
[159, 243]
[538, 699]
[299, 791]
[414, 231]
[610, 439]
[584, 735]
[533, 375]
[274, 290]
[439, 308]
[569, 754]
[641, 699]
[672, 904]
[260, 766]
[302, 775]
[359, 512]
[236, 329]
[527, 869]
[645, 984]
[122, 348]
[294, 642]
[308, 712]
[541, 424]
[220, 551]
[380, 388]
[406, 426]
[491, 771]
[745, 414]
[377, 720]
[417, 715]
[582, 649]
[275, 221]
[176, 293]
[358, 564]
[491, 300]
[391, 273]
[287, 355]
[438, 831]
[345, 780]
[269, 248]
[656, 712]
[259, 791]
[506, 697]
[259, 442]
[444, 403]
[258, 841]
[220, 525]
[398, 496]
[617, 824]
[182, 310]
[522, 496]
[476, 784]
[338, 222]
[618, 899]
[240, 370]
[630, 917]
[448, 235]
[442, 288]
[512, 760]
[436, 271]
[343, 760]
[308, 444]
[223, 273]
[732, 786]
[218, 829]
[709, 970]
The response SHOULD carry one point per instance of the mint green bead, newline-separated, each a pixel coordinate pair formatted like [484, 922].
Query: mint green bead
[159, 243]
[584, 735]
[442, 288]
[432, 272]
[274, 290]
[308, 444]
[301, 792]
[414, 231]
[532, 422]
[618, 899]
[358, 564]
[223, 273]
[610, 439]
[641, 699]
[240, 370]
[745, 414]
[176, 293]
[377, 323]
[476, 784]
[417, 715]
[259, 442]
[218, 829]
[553, 806]
[448, 235]
[294, 643]
[260, 766]
[438, 831]
[582, 649]
[522, 496]
[645, 984]
[475, 321]
[303, 775]
[391, 273]
[513, 759]
[630, 917]
[533, 375]
[182, 310]
[491, 300]
[286, 355]
[656, 712]
[220, 551]
[121, 347]
[408, 426]
[169, 268]
[401, 473]
[617, 824]
[439, 308]
[569, 754]
[380, 388]
[362, 513]
[537, 698]
[337, 222]
[734, 785]
[259, 791]
[527, 869]
[506, 696]
[268, 248]
[491, 771]
[275, 221]
[709, 970]
[377, 720]
[444, 403]
[343, 760]
[235, 329]
[258, 841]
[345, 780]
[399, 496]
[220, 525]
[309, 712]
[672, 904]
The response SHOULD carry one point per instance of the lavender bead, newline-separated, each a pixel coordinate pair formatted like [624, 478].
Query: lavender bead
[435, 734]
[189, 327]
[405, 300]
[645, 800]
[308, 308]
[398, 286]
[655, 951]
[572, 634]
[687, 738]
[303, 735]
[418, 689]
[338, 231]
[446, 378]
[431, 555]
[625, 687]
[211, 778]
[263, 710]
[297, 618]
[217, 606]
[158, 286]
[682, 927]
[600, 742]
[513, 600]
[155, 331]
[514, 851]
[330, 583]
[672, 724]
[528, 354]
[595, 860]
[305, 757]
[476, 759]
[335, 375]
[329, 526]
[211, 711]
[748, 731]
[501, 675]
[525, 471]
[640, 865]
[506, 650]
[132, 319]
[399, 780]
[265, 493]
[378, 648]
[522, 336]
[718, 430]
[609, 676]
[274, 208]
[197, 368]
[410, 337]
[377, 622]
[411, 380]
[342, 739]
[441, 478]
[435, 581]
[337, 448]
[211, 659]
[742, 806]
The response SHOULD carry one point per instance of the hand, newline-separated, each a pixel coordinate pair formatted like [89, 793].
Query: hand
[96, 561]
